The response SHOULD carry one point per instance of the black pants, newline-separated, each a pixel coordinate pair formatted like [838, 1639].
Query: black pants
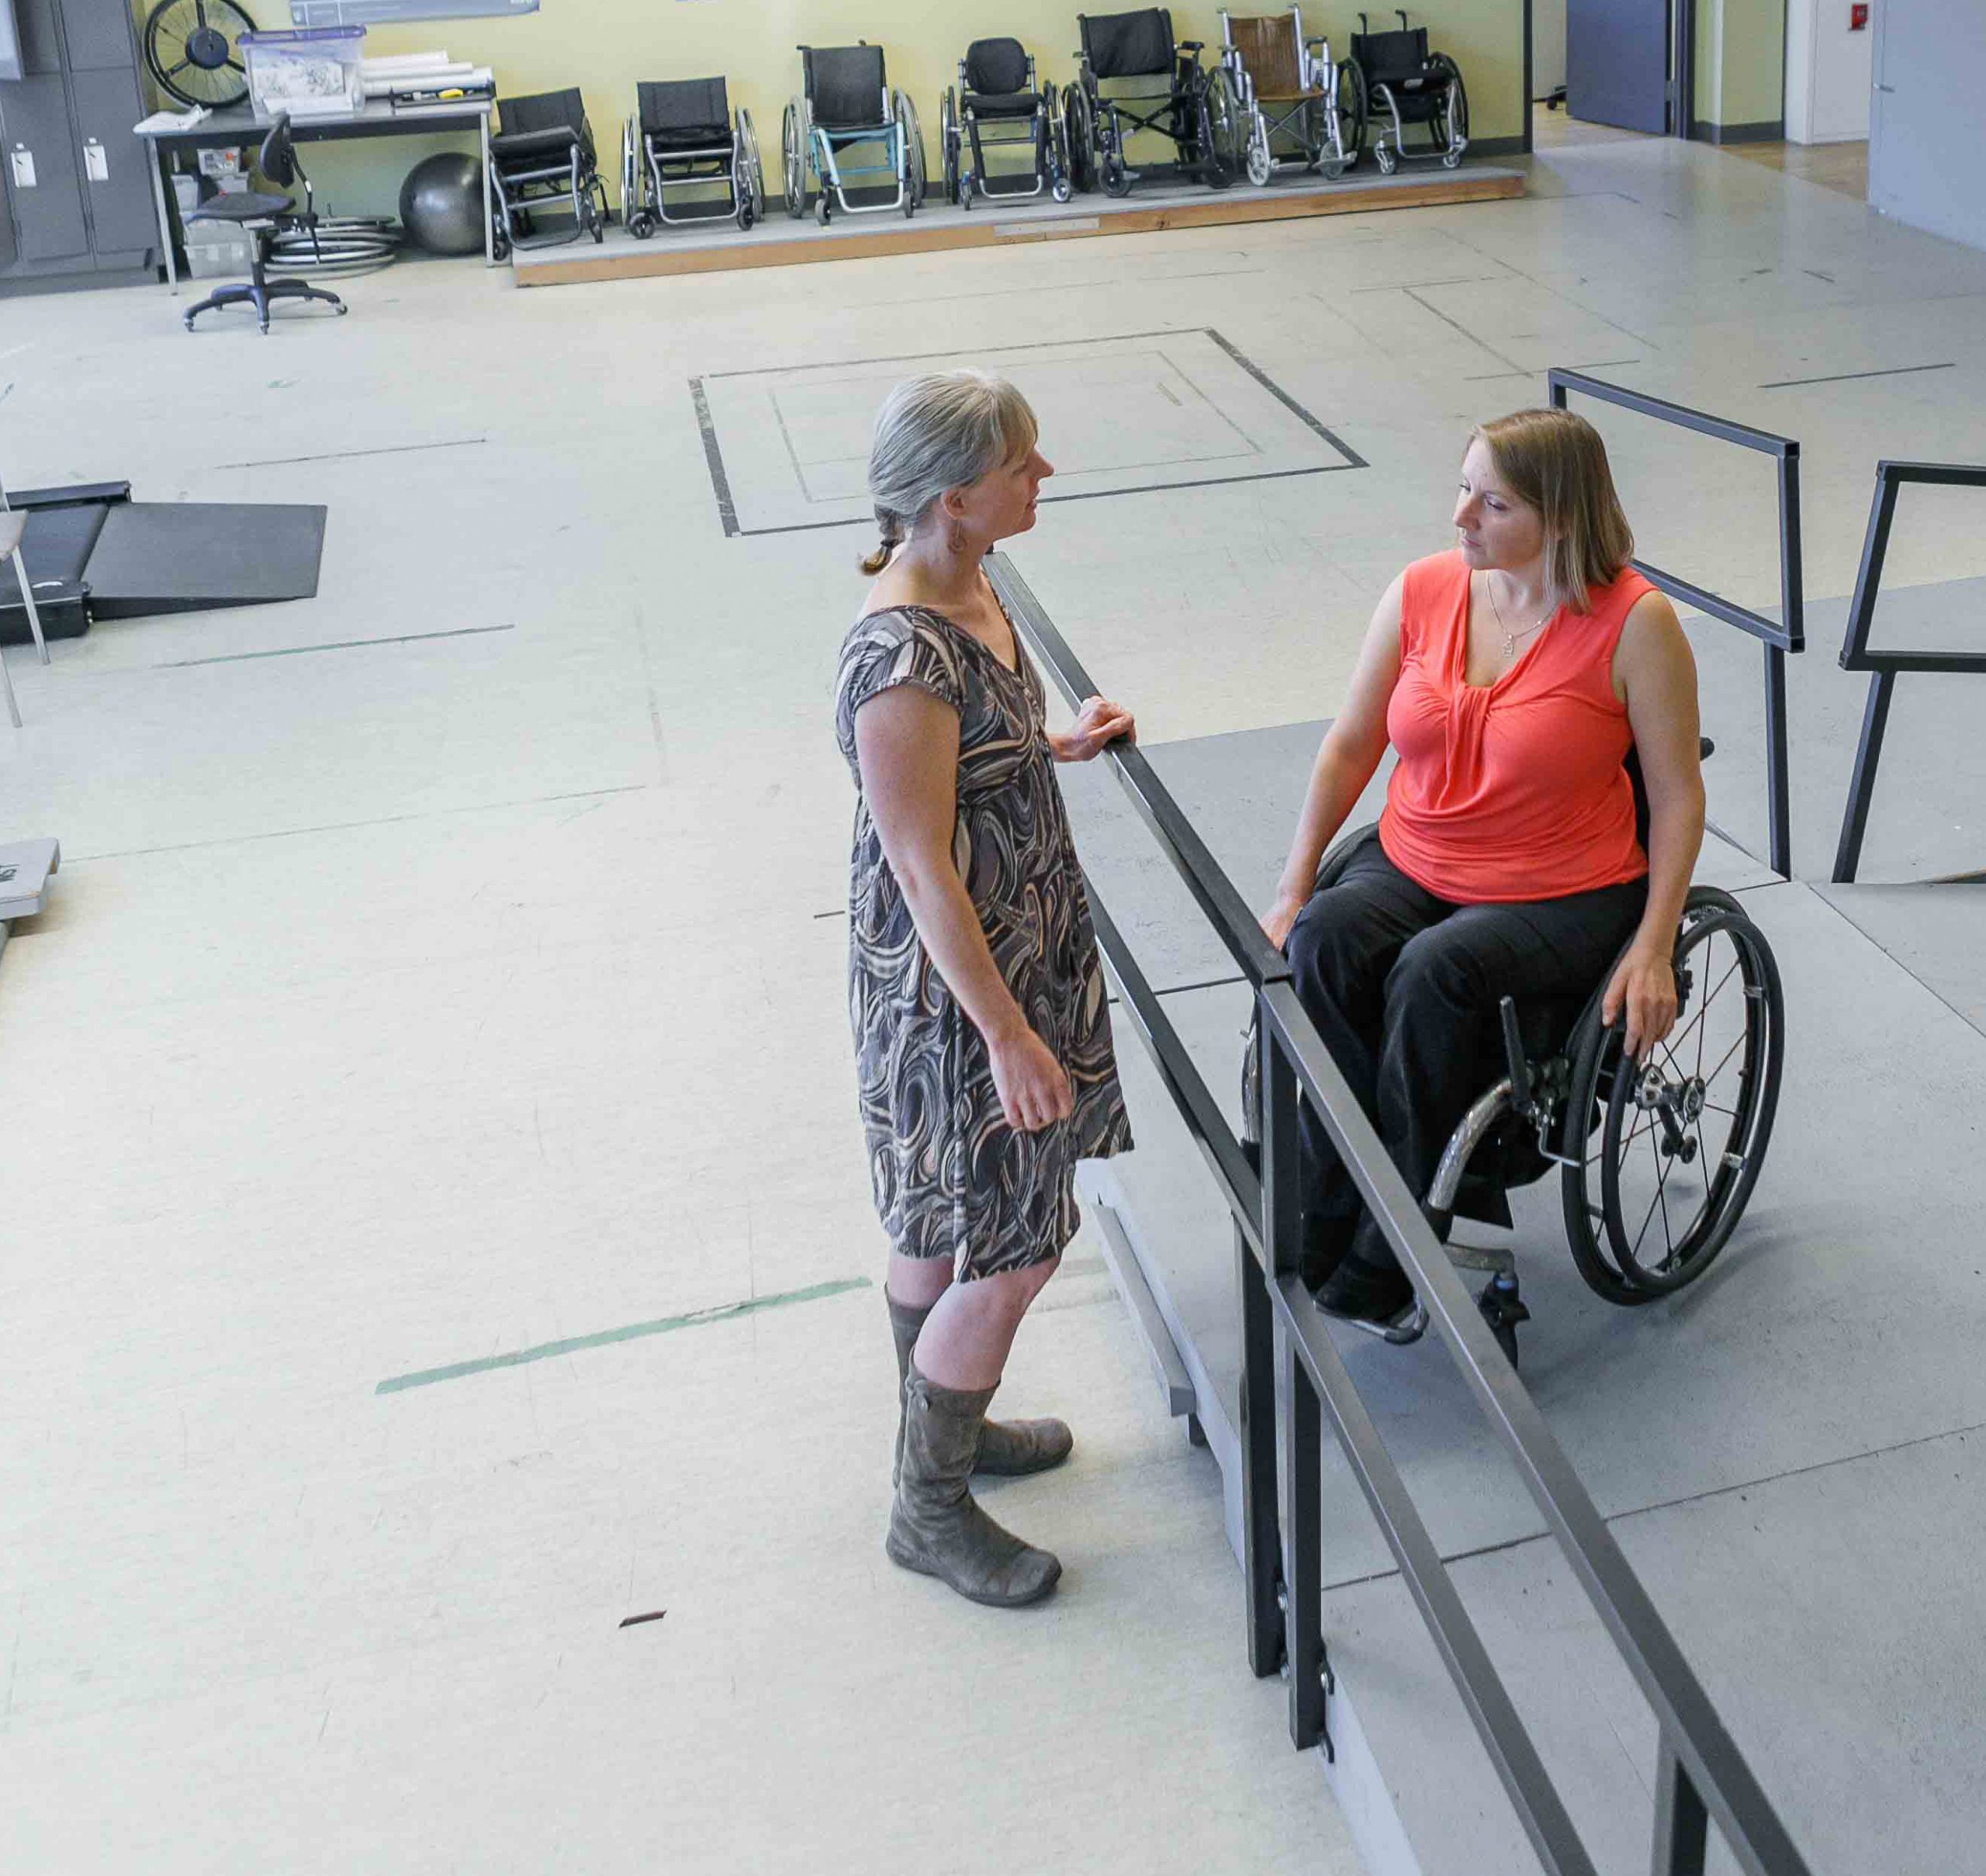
[1403, 987]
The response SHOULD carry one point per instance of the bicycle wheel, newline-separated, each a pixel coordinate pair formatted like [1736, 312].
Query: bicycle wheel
[191, 50]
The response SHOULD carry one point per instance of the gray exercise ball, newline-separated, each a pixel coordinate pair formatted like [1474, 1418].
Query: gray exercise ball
[441, 204]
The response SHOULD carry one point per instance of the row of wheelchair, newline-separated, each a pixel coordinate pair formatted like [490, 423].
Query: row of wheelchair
[1270, 98]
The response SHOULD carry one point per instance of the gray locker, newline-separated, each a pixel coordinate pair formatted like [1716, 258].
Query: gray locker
[96, 35]
[41, 51]
[40, 171]
[116, 188]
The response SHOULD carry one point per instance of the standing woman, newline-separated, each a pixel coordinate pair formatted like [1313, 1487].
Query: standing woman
[982, 1040]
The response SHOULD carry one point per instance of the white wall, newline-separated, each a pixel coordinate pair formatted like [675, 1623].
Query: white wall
[1547, 47]
[1924, 118]
[1829, 72]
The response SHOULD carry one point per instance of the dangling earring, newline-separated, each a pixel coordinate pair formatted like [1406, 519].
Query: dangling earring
[955, 537]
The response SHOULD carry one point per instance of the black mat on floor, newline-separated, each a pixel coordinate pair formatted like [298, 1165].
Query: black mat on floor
[185, 556]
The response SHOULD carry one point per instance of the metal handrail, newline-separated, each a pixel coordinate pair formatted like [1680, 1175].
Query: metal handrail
[1786, 634]
[1701, 1773]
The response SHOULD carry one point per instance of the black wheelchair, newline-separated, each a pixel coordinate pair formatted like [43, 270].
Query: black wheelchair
[1656, 1160]
[684, 135]
[544, 158]
[997, 89]
[1403, 83]
[1196, 109]
[1291, 95]
[846, 99]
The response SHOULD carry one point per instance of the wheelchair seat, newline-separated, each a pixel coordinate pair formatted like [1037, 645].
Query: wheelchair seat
[845, 87]
[685, 113]
[997, 81]
[546, 123]
[1002, 103]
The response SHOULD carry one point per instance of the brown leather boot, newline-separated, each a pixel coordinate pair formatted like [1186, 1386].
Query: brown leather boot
[936, 1527]
[1008, 1449]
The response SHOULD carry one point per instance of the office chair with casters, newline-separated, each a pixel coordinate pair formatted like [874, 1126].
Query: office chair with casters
[262, 217]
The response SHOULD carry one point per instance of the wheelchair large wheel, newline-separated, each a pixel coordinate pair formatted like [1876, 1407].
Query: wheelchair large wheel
[635, 216]
[748, 173]
[1451, 120]
[1679, 1139]
[1351, 109]
[1221, 138]
[949, 140]
[1079, 138]
[914, 174]
[793, 152]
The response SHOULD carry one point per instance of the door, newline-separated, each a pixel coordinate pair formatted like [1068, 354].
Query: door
[116, 185]
[1617, 62]
[41, 170]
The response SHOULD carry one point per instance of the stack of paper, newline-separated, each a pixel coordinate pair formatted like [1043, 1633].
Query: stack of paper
[425, 77]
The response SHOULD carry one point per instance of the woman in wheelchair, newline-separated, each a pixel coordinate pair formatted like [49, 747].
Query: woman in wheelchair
[1513, 675]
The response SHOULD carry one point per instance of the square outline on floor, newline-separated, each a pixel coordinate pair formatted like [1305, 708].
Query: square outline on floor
[727, 508]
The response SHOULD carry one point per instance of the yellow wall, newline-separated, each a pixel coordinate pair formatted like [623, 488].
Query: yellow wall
[1741, 61]
[605, 45]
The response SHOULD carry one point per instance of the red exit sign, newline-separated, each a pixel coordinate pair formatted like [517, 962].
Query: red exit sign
[1858, 18]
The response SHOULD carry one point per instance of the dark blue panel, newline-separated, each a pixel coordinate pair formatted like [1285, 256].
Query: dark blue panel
[1617, 62]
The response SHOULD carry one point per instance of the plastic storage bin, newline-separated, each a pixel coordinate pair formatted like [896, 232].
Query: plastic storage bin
[310, 72]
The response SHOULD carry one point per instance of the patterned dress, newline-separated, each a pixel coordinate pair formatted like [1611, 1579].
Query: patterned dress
[951, 1179]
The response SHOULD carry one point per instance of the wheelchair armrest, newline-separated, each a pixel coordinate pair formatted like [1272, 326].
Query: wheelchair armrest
[1191, 45]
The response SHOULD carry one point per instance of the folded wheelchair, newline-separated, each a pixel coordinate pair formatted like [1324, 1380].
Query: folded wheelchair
[1299, 108]
[846, 99]
[1401, 82]
[1656, 1160]
[998, 93]
[683, 135]
[1191, 106]
[543, 159]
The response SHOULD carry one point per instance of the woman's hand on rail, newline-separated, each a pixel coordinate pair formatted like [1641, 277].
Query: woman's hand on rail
[1643, 988]
[1032, 1085]
[1098, 722]
[1278, 918]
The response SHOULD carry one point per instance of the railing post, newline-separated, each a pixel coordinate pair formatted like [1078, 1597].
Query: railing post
[1303, 1571]
[1261, 1542]
[1779, 768]
[1681, 1823]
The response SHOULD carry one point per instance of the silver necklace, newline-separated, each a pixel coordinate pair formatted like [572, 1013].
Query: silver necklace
[1511, 637]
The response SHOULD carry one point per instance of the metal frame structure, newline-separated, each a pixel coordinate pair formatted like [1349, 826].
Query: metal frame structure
[1701, 1773]
[1855, 655]
[1329, 156]
[1095, 125]
[1786, 634]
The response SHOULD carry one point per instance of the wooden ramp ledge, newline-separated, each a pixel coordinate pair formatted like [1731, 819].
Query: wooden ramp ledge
[939, 226]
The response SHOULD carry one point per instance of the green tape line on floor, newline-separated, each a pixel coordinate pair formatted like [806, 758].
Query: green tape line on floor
[722, 1312]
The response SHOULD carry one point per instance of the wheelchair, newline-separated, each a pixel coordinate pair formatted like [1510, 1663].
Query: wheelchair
[846, 99]
[544, 158]
[1656, 1161]
[1400, 83]
[1289, 88]
[997, 86]
[683, 133]
[1197, 110]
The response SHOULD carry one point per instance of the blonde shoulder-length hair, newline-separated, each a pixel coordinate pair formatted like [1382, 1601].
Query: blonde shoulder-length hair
[1554, 462]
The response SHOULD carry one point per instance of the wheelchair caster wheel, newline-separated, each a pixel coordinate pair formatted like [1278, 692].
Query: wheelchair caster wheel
[1260, 168]
[1059, 188]
[1388, 162]
[641, 224]
[823, 213]
[1504, 1309]
[1116, 177]
[1452, 159]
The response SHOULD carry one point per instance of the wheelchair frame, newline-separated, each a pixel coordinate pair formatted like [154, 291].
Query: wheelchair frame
[572, 181]
[1329, 154]
[1382, 94]
[1550, 1101]
[958, 124]
[1094, 124]
[646, 172]
[809, 148]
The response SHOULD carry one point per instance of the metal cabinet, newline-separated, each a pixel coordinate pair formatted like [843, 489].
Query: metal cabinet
[75, 186]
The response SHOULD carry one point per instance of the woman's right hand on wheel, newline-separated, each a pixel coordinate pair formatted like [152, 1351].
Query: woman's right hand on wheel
[1278, 918]
[1033, 1088]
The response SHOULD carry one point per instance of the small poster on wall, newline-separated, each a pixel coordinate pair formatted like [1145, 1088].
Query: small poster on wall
[399, 12]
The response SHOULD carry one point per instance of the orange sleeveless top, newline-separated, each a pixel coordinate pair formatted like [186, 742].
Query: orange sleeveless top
[1513, 790]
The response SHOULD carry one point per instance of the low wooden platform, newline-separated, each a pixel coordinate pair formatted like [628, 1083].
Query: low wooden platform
[781, 241]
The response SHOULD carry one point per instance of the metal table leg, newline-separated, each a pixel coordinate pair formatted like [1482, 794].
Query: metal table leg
[164, 218]
[489, 227]
[27, 596]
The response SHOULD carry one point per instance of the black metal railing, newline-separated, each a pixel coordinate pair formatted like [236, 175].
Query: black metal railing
[1883, 666]
[1701, 1774]
[1788, 633]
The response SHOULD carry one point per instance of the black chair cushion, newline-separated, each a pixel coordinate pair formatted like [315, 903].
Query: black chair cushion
[1129, 45]
[544, 111]
[1007, 104]
[685, 112]
[510, 146]
[1391, 58]
[241, 206]
[845, 86]
[996, 67]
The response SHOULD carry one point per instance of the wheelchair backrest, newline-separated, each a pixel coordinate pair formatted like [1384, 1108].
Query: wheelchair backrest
[1270, 54]
[1392, 58]
[846, 86]
[546, 111]
[1129, 45]
[677, 108]
[996, 67]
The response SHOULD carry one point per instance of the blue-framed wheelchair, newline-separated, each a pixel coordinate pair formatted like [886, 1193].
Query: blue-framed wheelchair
[543, 159]
[999, 105]
[1656, 1160]
[846, 99]
[1400, 83]
[1159, 86]
[683, 135]
[1299, 108]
